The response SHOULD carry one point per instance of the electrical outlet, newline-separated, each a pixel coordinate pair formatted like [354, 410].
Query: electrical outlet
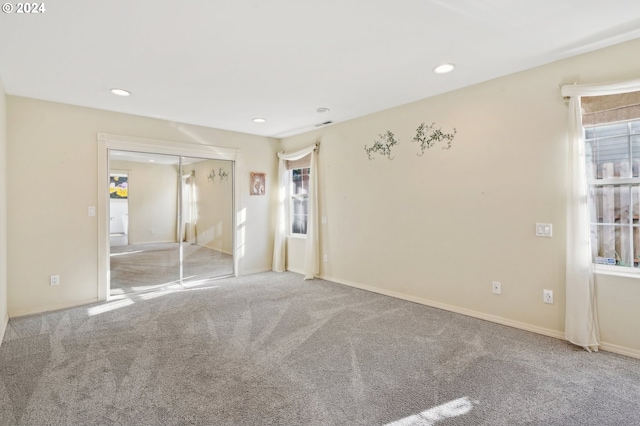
[547, 296]
[497, 287]
[54, 280]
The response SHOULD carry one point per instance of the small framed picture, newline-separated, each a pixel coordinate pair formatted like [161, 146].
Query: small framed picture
[258, 183]
[118, 187]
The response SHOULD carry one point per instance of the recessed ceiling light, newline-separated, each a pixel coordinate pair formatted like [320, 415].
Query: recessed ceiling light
[444, 68]
[322, 110]
[121, 92]
[152, 161]
[259, 120]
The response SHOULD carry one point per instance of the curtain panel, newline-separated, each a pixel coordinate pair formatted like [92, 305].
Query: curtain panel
[312, 248]
[581, 321]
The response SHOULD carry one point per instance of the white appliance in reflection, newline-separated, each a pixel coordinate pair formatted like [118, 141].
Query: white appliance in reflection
[119, 220]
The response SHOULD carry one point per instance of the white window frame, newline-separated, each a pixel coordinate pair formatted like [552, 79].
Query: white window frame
[620, 270]
[292, 198]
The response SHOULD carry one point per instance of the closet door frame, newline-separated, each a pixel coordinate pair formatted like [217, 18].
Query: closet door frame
[108, 142]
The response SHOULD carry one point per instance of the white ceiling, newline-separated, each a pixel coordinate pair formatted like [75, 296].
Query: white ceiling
[221, 63]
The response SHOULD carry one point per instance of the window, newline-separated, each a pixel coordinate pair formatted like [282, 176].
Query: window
[613, 174]
[299, 192]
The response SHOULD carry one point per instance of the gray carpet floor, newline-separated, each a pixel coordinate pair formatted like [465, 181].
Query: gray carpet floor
[274, 349]
[136, 268]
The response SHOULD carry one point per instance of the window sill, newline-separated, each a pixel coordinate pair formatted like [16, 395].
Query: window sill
[618, 271]
[297, 236]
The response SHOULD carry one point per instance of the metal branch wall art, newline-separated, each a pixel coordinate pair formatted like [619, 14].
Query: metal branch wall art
[382, 145]
[426, 136]
[223, 174]
[211, 177]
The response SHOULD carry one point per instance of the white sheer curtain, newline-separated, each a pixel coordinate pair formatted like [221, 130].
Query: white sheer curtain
[581, 322]
[312, 250]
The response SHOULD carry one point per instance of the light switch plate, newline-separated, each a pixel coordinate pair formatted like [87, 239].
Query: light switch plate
[544, 230]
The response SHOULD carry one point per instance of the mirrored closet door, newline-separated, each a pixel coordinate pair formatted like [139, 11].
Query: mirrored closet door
[207, 218]
[170, 220]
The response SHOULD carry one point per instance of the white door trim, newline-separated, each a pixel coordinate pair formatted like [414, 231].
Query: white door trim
[107, 142]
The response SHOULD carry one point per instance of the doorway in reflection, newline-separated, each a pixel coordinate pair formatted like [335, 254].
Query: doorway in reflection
[179, 221]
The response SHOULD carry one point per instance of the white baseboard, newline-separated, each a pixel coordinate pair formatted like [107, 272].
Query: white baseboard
[3, 327]
[255, 270]
[451, 308]
[219, 250]
[620, 350]
[139, 243]
[49, 308]
[607, 347]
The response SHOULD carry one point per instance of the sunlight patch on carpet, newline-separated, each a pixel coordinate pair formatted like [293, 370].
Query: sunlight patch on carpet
[154, 294]
[172, 289]
[200, 288]
[101, 309]
[126, 252]
[455, 408]
[155, 286]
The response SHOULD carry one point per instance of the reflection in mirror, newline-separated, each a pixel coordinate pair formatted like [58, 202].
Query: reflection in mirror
[143, 223]
[207, 218]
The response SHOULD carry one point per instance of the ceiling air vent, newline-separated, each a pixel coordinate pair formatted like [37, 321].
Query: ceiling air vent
[324, 124]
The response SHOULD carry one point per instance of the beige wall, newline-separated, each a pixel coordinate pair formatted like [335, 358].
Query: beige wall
[153, 201]
[441, 227]
[3, 212]
[437, 228]
[214, 228]
[53, 179]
